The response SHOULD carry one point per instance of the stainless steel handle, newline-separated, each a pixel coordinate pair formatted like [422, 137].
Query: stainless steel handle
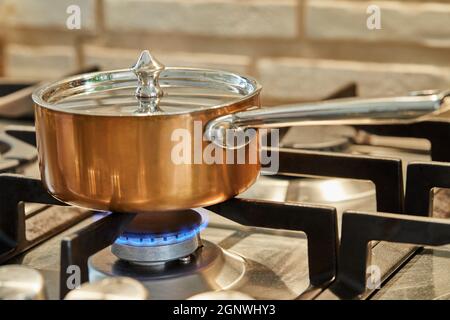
[332, 112]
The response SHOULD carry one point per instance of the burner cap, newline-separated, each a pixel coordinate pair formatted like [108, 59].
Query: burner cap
[159, 237]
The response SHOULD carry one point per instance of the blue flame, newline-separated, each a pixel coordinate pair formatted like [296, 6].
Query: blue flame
[151, 240]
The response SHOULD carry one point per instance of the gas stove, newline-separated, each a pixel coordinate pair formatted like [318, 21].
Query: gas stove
[347, 217]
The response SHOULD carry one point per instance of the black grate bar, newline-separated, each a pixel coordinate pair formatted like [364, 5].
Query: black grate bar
[318, 222]
[385, 173]
[359, 228]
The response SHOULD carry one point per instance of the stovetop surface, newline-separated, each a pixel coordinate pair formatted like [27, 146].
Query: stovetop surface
[424, 274]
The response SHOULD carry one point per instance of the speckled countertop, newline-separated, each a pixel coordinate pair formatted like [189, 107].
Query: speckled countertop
[427, 274]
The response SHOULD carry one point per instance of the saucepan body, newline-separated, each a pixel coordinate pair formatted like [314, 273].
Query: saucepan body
[140, 163]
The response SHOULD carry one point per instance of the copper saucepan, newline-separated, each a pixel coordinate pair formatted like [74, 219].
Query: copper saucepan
[106, 139]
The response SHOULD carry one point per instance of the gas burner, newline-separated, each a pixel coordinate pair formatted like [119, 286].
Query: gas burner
[160, 237]
[209, 268]
[320, 138]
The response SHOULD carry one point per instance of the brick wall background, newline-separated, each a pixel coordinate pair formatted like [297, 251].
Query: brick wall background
[298, 49]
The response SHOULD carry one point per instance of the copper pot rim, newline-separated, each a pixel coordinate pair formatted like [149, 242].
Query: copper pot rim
[40, 92]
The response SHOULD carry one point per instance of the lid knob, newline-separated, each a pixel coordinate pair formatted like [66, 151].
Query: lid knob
[147, 69]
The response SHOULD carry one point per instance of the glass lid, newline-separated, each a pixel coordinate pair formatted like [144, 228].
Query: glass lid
[148, 88]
